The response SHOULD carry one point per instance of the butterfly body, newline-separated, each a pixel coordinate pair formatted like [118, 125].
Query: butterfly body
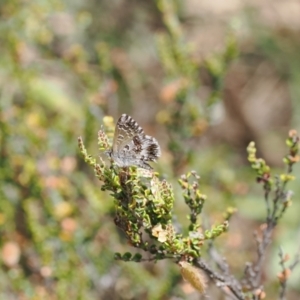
[131, 146]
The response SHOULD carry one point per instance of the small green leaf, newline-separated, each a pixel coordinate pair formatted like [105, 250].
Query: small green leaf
[127, 256]
[118, 256]
[137, 257]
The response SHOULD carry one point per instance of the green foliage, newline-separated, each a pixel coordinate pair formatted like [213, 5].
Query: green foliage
[61, 72]
[186, 116]
[144, 205]
[54, 235]
[282, 198]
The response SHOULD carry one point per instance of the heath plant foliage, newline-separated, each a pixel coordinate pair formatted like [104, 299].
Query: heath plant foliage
[144, 208]
[61, 71]
[143, 204]
[187, 115]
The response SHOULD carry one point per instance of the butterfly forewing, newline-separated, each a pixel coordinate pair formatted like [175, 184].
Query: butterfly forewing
[126, 129]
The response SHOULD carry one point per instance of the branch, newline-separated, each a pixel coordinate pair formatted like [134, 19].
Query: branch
[286, 271]
[222, 281]
[274, 209]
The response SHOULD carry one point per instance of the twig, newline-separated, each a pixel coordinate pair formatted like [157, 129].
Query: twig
[253, 271]
[222, 281]
[218, 259]
[286, 271]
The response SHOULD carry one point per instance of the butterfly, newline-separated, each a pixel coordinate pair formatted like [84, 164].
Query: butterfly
[131, 146]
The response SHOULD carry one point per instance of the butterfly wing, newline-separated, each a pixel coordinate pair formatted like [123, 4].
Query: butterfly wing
[126, 129]
[146, 148]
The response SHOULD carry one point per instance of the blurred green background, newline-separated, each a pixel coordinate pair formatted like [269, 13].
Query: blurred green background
[204, 77]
